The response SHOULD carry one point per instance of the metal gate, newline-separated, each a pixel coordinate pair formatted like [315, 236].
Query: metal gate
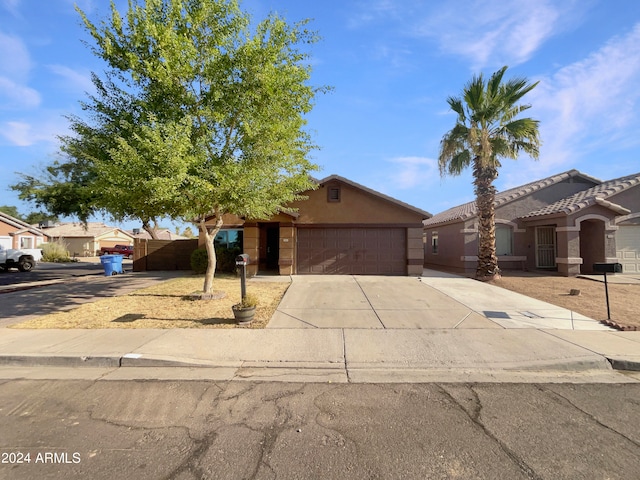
[545, 247]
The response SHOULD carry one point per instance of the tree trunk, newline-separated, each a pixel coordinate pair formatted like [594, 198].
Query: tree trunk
[484, 176]
[151, 230]
[210, 233]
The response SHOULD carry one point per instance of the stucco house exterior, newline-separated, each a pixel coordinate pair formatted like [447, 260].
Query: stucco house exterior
[15, 233]
[341, 228]
[566, 223]
[87, 240]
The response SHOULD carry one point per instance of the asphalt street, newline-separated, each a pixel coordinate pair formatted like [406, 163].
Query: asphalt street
[261, 430]
[51, 271]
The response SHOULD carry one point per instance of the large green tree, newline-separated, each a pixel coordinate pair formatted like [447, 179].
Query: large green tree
[487, 130]
[202, 114]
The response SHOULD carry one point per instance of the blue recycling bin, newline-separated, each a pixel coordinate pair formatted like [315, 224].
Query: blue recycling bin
[112, 264]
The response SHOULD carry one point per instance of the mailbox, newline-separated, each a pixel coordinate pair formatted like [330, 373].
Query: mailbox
[607, 268]
[242, 259]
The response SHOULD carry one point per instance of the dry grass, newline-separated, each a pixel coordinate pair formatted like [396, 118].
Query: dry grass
[167, 305]
[624, 299]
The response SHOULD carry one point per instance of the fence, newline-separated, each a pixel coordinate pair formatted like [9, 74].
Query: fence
[154, 255]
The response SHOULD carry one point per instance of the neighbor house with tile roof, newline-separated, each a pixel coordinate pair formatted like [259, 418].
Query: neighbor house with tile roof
[86, 240]
[565, 222]
[14, 233]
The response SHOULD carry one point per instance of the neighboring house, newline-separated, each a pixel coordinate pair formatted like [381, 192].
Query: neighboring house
[566, 222]
[87, 240]
[341, 228]
[17, 234]
[163, 234]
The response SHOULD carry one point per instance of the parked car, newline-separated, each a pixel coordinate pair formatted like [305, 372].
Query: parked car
[23, 260]
[126, 250]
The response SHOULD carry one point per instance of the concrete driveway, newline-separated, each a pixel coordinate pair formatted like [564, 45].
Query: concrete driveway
[434, 301]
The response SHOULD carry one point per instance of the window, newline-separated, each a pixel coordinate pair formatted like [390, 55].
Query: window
[333, 193]
[434, 243]
[26, 242]
[228, 239]
[504, 240]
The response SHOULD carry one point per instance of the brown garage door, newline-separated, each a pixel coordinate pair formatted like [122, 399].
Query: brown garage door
[357, 251]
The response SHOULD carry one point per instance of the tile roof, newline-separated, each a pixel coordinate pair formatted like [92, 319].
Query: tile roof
[20, 225]
[469, 210]
[592, 196]
[163, 234]
[91, 229]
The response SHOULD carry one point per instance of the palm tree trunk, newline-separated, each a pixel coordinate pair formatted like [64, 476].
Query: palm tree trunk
[485, 191]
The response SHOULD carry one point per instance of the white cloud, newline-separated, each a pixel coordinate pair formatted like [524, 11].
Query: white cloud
[25, 134]
[486, 32]
[74, 79]
[14, 72]
[11, 6]
[591, 101]
[413, 171]
[372, 10]
[590, 106]
[16, 61]
[13, 95]
[499, 33]
[18, 133]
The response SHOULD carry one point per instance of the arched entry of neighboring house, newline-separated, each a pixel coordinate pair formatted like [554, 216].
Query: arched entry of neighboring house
[592, 243]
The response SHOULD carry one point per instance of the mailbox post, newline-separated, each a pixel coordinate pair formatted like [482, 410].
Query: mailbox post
[242, 261]
[607, 268]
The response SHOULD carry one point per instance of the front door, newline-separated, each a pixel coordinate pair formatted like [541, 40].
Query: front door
[545, 247]
[273, 247]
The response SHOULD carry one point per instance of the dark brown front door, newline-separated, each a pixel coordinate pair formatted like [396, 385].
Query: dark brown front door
[273, 249]
[352, 251]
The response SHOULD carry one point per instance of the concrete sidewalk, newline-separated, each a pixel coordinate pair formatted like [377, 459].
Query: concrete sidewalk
[345, 329]
[334, 355]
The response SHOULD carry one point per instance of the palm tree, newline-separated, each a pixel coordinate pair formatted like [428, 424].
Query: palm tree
[487, 130]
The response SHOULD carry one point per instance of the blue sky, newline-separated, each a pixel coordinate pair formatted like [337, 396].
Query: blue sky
[392, 64]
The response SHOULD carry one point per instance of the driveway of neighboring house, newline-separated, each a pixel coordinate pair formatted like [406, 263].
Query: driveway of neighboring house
[433, 301]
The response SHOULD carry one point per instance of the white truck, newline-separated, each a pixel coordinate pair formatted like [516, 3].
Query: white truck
[23, 260]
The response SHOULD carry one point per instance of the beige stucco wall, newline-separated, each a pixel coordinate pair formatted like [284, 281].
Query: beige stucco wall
[355, 206]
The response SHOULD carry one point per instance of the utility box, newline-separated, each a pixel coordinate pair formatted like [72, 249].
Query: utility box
[242, 259]
[607, 267]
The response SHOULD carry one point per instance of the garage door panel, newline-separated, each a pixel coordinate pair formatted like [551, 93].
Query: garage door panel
[628, 248]
[356, 251]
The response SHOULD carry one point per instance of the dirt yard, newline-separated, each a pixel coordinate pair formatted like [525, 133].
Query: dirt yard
[624, 299]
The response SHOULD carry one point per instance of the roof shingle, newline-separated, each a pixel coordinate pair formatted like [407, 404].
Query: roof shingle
[591, 196]
[469, 210]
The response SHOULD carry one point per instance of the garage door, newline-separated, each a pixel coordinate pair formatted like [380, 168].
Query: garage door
[357, 251]
[628, 248]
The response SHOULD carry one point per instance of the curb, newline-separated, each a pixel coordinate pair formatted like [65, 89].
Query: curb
[135, 360]
[624, 364]
[59, 361]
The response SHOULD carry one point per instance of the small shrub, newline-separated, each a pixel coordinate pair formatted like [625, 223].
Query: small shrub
[199, 260]
[248, 301]
[225, 259]
[55, 252]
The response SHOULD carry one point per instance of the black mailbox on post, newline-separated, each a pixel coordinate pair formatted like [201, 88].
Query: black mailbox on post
[242, 259]
[607, 267]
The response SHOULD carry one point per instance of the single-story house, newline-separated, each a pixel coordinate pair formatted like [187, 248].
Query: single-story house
[87, 240]
[341, 228]
[15, 233]
[566, 223]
